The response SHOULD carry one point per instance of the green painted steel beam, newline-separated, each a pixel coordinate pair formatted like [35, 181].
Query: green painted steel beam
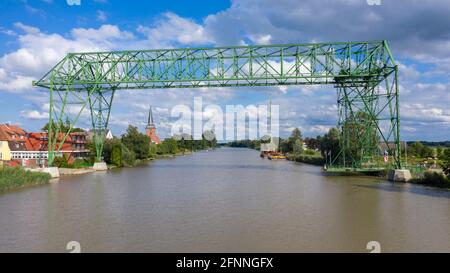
[291, 64]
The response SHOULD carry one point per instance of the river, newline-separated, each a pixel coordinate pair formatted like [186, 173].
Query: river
[227, 200]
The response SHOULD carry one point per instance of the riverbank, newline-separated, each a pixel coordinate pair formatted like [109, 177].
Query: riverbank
[308, 159]
[16, 178]
[433, 179]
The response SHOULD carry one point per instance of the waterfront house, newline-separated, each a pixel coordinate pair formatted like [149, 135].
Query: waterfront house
[31, 149]
[5, 152]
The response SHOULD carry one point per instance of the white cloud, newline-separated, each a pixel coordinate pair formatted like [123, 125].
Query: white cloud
[172, 28]
[33, 114]
[39, 51]
[261, 39]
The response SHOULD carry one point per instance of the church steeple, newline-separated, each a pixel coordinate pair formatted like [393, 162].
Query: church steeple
[150, 129]
[150, 123]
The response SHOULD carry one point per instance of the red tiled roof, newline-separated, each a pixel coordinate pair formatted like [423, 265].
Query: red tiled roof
[35, 141]
[11, 133]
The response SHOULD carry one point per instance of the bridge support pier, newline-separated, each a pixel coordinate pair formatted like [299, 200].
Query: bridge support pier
[399, 175]
[100, 166]
[53, 171]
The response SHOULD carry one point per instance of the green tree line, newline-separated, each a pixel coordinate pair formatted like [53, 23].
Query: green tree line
[134, 146]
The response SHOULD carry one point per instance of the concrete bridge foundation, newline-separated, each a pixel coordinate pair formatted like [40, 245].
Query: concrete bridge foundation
[399, 175]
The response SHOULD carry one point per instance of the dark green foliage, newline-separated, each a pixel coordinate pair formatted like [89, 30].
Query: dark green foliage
[14, 178]
[168, 146]
[108, 148]
[433, 179]
[330, 143]
[116, 155]
[64, 127]
[252, 144]
[81, 163]
[419, 150]
[310, 159]
[294, 142]
[152, 151]
[128, 157]
[61, 161]
[186, 142]
[137, 142]
[446, 168]
[445, 155]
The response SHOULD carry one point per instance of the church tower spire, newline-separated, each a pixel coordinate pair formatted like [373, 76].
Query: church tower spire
[150, 123]
[150, 129]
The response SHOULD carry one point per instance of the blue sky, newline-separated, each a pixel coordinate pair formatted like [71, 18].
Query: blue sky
[35, 34]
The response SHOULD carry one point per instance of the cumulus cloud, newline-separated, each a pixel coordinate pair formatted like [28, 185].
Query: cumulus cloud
[172, 29]
[33, 114]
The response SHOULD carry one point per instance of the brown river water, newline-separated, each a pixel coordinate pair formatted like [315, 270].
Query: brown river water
[226, 200]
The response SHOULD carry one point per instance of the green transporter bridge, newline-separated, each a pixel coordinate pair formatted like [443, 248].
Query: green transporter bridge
[364, 74]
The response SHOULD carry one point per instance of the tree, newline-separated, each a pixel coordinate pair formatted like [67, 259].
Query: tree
[64, 127]
[415, 149]
[108, 148]
[329, 143]
[136, 142]
[168, 146]
[446, 155]
[289, 145]
[153, 149]
[128, 157]
[116, 155]
[298, 147]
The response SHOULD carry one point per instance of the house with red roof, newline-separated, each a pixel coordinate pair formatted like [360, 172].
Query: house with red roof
[31, 149]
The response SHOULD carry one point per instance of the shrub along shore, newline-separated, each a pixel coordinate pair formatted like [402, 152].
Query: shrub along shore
[15, 178]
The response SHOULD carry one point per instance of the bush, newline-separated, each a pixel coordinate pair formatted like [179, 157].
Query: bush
[152, 150]
[116, 155]
[61, 161]
[309, 152]
[314, 160]
[14, 178]
[168, 146]
[81, 163]
[433, 179]
[137, 142]
[128, 157]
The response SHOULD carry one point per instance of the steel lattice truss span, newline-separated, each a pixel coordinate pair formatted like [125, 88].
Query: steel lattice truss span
[364, 73]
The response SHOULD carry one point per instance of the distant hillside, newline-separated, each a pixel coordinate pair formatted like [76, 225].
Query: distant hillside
[433, 143]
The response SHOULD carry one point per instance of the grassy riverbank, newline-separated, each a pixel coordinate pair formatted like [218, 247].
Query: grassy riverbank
[15, 178]
[315, 159]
